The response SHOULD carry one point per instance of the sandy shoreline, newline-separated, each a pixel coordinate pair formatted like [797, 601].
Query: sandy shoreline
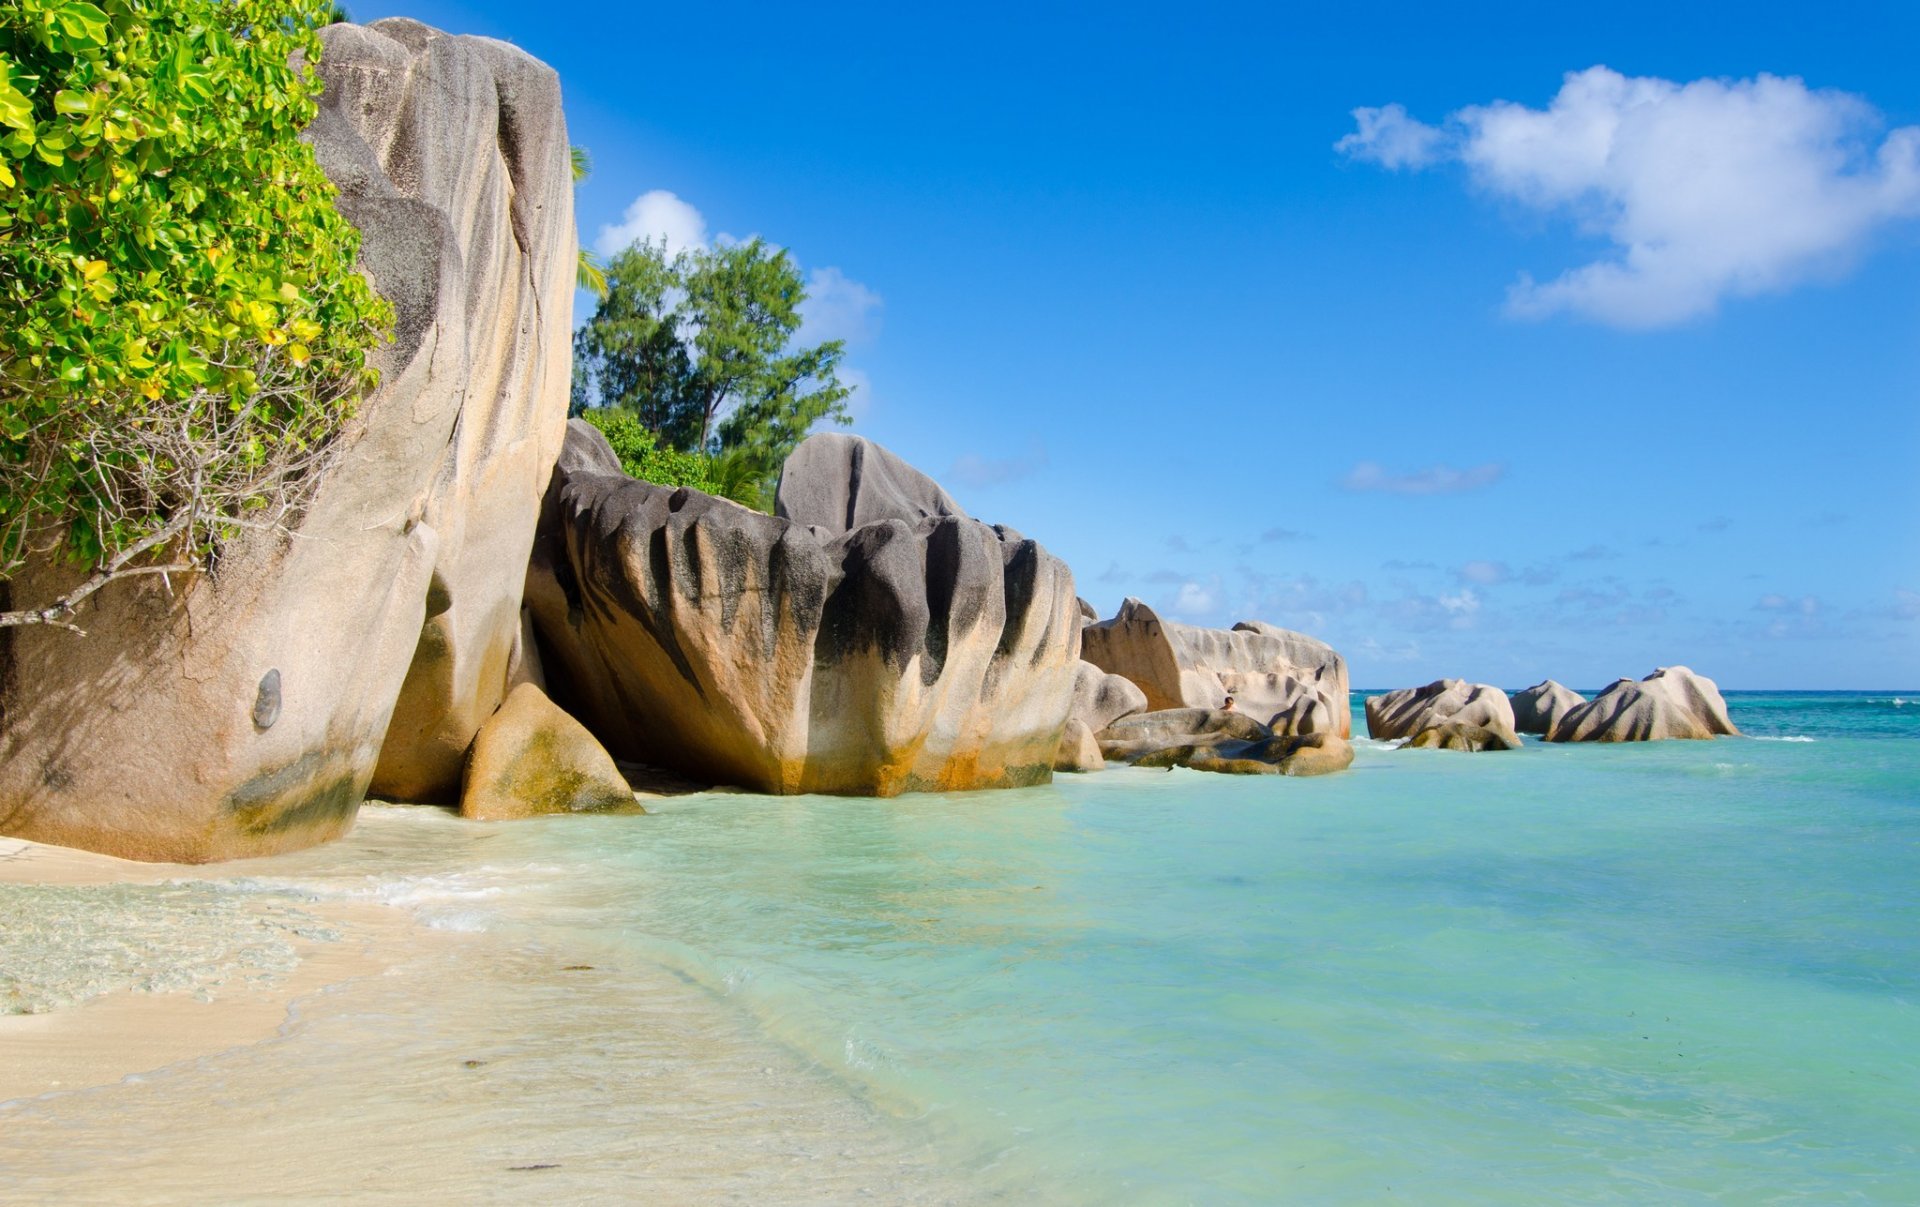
[125, 1033]
[415, 1055]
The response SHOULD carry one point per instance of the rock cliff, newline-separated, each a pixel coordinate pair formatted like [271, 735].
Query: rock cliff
[247, 711]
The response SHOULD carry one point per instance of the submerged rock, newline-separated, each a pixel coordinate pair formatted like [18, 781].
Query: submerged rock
[1212, 739]
[530, 759]
[245, 713]
[1288, 680]
[1539, 708]
[1444, 703]
[912, 652]
[1672, 702]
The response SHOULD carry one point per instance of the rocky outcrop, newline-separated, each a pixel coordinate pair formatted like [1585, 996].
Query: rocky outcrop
[1290, 680]
[245, 712]
[1213, 739]
[1539, 708]
[910, 652]
[1672, 702]
[1452, 708]
[531, 759]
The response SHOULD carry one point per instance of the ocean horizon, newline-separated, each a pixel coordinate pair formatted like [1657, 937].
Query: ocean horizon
[1676, 971]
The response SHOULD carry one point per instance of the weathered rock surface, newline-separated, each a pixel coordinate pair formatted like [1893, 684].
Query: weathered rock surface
[1212, 739]
[245, 713]
[1672, 702]
[1539, 708]
[837, 483]
[1444, 702]
[912, 652]
[531, 759]
[1295, 681]
[1456, 735]
[1100, 699]
[1078, 750]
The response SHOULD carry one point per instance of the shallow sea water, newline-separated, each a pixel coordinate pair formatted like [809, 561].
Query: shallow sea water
[1676, 972]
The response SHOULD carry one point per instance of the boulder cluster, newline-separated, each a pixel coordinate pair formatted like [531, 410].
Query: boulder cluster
[1451, 714]
[480, 607]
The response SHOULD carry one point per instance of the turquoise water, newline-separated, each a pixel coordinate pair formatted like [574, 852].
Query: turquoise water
[1675, 972]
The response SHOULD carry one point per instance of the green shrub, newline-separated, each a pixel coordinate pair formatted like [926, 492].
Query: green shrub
[185, 329]
[641, 455]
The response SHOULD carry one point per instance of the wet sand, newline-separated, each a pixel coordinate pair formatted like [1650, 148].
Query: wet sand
[125, 1033]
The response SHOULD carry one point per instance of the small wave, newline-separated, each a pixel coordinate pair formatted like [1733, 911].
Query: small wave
[1378, 743]
[1792, 737]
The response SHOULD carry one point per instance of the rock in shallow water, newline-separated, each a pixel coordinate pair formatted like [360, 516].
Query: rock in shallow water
[914, 652]
[1287, 680]
[1078, 750]
[1450, 708]
[1212, 739]
[1456, 735]
[530, 759]
[1672, 702]
[1538, 709]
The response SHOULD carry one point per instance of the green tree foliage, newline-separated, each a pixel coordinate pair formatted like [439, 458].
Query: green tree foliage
[186, 330]
[641, 455]
[699, 348]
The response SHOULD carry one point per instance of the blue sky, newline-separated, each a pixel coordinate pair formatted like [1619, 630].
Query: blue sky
[1139, 282]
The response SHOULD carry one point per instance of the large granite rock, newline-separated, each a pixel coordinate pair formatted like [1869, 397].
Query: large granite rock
[836, 483]
[911, 652]
[1539, 708]
[1287, 679]
[245, 713]
[1452, 708]
[531, 759]
[1672, 702]
[1219, 740]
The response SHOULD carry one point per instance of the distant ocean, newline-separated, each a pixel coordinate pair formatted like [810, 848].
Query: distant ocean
[1679, 972]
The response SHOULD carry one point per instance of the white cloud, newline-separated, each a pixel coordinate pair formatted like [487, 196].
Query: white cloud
[1483, 573]
[1461, 606]
[1707, 190]
[860, 401]
[654, 215]
[1388, 137]
[838, 307]
[1195, 600]
[972, 469]
[1806, 605]
[1434, 480]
